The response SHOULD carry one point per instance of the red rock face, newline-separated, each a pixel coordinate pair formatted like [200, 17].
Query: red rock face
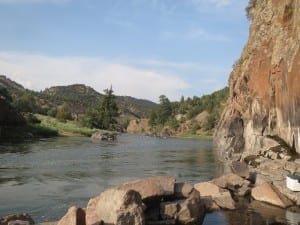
[265, 82]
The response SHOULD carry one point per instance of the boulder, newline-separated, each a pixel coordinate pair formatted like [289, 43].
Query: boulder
[225, 201]
[270, 194]
[74, 216]
[207, 189]
[240, 168]
[152, 188]
[104, 136]
[118, 207]
[191, 211]
[210, 192]
[91, 215]
[168, 210]
[183, 190]
[228, 181]
[22, 219]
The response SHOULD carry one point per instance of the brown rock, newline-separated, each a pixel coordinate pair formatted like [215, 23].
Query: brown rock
[153, 187]
[225, 201]
[168, 210]
[270, 194]
[183, 190]
[120, 207]
[207, 189]
[228, 181]
[265, 83]
[91, 214]
[15, 219]
[209, 204]
[240, 168]
[191, 211]
[74, 216]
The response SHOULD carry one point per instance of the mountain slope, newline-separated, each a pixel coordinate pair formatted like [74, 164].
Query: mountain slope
[80, 97]
[264, 85]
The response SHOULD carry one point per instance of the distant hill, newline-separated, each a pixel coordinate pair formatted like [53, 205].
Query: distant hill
[80, 97]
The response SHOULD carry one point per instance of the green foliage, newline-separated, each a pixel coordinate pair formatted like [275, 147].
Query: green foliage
[211, 121]
[64, 113]
[52, 112]
[105, 116]
[31, 118]
[108, 110]
[5, 95]
[162, 114]
[67, 127]
[26, 103]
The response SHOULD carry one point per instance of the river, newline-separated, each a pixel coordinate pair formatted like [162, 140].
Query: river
[44, 178]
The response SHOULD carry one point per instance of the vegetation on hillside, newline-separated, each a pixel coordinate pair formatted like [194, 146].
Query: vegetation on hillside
[174, 114]
[104, 116]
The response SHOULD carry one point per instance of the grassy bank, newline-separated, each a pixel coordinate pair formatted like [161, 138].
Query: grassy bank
[192, 135]
[69, 128]
[27, 131]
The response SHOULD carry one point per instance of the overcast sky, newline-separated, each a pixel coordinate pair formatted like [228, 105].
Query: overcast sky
[144, 48]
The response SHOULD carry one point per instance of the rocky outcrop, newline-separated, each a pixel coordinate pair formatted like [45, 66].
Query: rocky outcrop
[264, 103]
[74, 216]
[138, 126]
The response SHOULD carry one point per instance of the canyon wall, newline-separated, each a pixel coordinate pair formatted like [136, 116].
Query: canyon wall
[264, 102]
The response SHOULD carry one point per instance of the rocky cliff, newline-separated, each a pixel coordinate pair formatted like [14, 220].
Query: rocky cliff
[264, 103]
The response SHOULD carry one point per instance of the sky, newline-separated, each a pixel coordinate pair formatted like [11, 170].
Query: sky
[143, 48]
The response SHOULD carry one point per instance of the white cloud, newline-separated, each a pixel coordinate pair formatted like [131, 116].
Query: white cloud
[38, 72]
[196, 34]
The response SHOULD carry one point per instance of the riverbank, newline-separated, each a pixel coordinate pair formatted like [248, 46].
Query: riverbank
[163, 200]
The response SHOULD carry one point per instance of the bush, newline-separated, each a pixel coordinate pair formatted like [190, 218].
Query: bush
[52, 112]
[64, 113]
[31, 118]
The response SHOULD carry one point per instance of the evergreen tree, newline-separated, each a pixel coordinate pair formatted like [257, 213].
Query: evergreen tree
[108, 110]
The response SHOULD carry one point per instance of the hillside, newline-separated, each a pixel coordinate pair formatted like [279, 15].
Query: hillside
[79, 98]
[191, 117]
[264, 102]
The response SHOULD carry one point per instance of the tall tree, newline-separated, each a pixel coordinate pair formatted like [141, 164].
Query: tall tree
[108, 109]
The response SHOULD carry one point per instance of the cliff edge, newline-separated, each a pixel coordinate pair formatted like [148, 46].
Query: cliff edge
[264, 102]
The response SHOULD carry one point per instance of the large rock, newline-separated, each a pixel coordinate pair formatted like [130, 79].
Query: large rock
[115, 206]
[74, 216]
[265, 83]
[191, 211]
[212, 195]
[270, 194]
[152, 188]
[207, 189]
[183, 190]
[91, 216]
[22, 219]
[229, 180]
[240, 168]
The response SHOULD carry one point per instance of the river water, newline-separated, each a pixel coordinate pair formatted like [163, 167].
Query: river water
[44, 178]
